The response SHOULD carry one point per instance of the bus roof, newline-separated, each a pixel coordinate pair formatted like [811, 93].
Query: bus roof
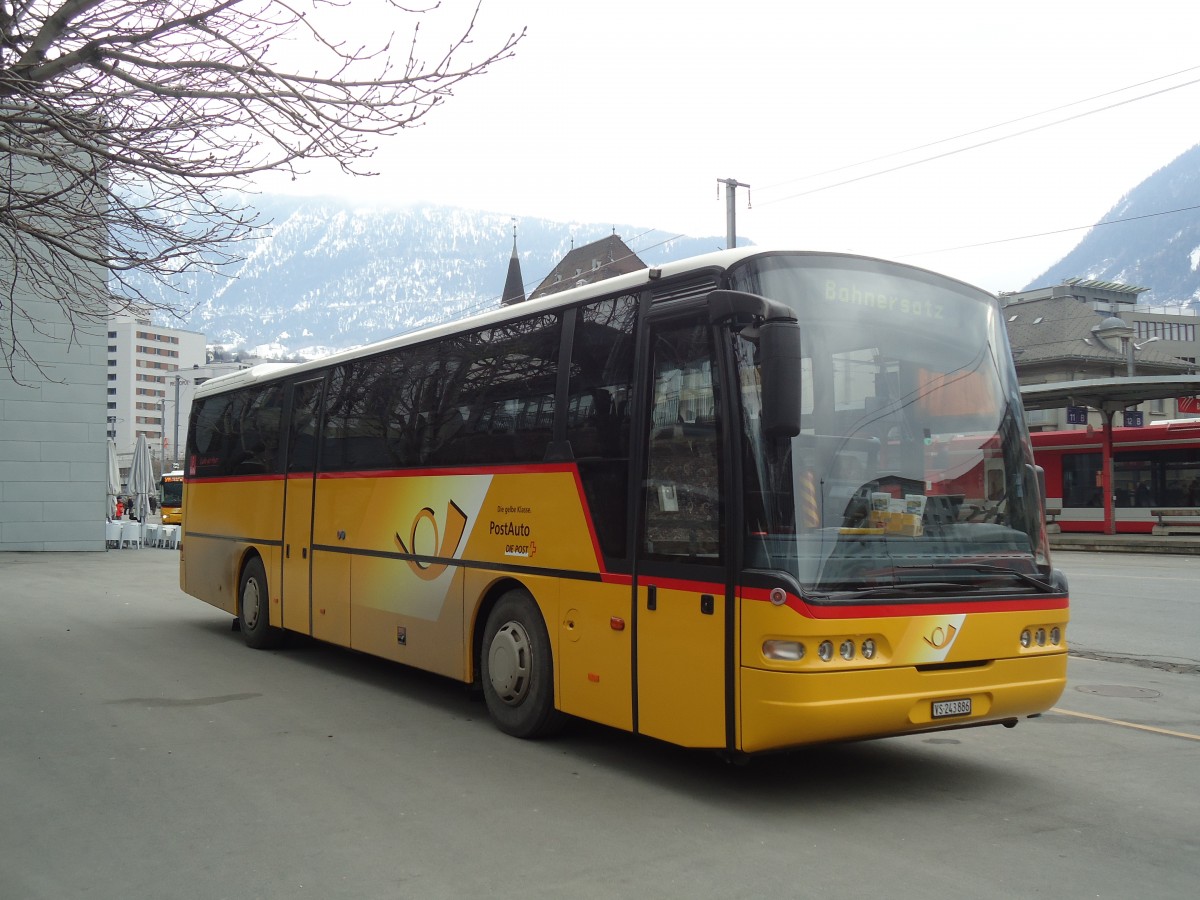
[242, 377]
[717, 261]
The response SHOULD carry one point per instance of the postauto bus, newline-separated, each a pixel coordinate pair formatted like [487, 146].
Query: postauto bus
[747, 501]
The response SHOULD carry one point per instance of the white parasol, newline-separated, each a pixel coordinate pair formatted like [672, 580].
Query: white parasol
[114, 479]
[141, 478]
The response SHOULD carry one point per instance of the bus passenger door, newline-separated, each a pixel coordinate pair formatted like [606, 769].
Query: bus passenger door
[683, 616]
[296, 592]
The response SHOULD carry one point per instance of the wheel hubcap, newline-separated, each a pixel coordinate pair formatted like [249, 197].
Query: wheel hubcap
[509, 663]
[250, 603]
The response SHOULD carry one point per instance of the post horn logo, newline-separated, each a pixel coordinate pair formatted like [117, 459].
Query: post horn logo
[941, 637]
[423, 536]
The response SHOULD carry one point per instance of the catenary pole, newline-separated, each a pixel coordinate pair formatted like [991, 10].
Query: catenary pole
[175, 438]
[731, 186]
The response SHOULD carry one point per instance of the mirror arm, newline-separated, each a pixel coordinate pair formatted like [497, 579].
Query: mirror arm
[723, 305]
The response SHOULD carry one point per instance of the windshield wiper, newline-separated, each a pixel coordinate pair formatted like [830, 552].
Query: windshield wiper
[918, 588]
[893, 590]
[1043, 586]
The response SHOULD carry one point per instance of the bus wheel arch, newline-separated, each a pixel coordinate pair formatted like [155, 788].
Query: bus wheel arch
[491, 596]
[254, 605]
[516, 666]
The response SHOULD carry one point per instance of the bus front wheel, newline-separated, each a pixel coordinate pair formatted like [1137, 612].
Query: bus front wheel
[518, 674]
[254, 608]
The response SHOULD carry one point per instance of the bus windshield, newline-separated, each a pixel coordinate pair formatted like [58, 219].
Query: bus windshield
[913, 472]
[172, 491]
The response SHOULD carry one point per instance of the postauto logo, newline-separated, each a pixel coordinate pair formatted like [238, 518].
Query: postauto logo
[428, 548]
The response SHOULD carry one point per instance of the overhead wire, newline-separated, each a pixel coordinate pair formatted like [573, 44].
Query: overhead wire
[1025, 237]
[967, 134]
[979, 144]
[488, 303]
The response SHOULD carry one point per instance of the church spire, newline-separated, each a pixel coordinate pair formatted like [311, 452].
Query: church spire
[514, 285]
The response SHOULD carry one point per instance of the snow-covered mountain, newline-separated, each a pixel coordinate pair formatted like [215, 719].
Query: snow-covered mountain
[327, 275]
[1155, 244]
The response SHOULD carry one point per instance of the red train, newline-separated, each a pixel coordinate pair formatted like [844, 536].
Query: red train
[1154, 467]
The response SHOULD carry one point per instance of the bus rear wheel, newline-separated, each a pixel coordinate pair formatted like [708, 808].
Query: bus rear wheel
[254, 608]
[517, 671]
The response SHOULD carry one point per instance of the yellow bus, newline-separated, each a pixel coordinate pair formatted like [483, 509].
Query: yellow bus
[170, 497]
[748, 501]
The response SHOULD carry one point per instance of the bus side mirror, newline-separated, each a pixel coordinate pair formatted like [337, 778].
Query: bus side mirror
[779, 359]
[778, 354]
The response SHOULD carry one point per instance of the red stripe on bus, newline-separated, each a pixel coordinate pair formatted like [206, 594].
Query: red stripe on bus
[232, 479]
[587, 517]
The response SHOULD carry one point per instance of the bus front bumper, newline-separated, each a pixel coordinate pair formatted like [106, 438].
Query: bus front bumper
[789, 709]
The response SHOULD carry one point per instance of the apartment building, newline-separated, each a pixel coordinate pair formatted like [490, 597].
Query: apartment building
[150, 368]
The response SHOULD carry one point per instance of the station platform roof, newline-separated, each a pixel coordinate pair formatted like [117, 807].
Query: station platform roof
[1108, 394]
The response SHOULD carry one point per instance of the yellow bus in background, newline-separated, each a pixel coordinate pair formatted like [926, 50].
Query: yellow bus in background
[748, 501]
[170, 497]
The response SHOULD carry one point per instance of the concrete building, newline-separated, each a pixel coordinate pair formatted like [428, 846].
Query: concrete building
[1083, 329]
[53, 454]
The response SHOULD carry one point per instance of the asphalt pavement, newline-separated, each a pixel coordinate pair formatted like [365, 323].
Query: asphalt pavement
[145, 752]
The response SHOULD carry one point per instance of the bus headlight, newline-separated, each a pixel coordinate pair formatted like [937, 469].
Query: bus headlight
[1040, 636]
[788, 651]
[868, 649]
[847, 650]
[825, 651]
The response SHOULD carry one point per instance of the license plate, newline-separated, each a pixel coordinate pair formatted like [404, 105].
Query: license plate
[945, 708]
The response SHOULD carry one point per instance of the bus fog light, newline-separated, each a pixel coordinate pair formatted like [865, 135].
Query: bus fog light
[1026, 638]
[1041, 637]
[789, 651]
[847, 650]
[825, 651]
[868, 649]
[1055, 636]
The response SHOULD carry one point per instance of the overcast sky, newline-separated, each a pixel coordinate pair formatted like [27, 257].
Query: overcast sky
[629, 112]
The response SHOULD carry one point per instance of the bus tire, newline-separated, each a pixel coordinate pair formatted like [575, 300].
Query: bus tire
[517, 669]
[254, 608]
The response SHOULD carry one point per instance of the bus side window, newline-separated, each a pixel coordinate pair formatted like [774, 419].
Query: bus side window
[355, 430]
[302, 446]
[259, 428]
[501, 372]
[601, 384]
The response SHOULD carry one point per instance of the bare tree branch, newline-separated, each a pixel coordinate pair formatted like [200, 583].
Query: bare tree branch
[127, 127]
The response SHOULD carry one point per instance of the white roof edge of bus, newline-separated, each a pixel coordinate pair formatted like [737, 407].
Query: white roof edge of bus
[244, 376]
[718, 259]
